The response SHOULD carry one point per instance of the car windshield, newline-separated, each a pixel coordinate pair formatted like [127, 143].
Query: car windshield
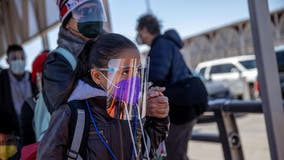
[249, 64]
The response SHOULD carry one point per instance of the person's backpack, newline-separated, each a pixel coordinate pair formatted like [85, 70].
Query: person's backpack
[41, 113]
[29, 152]
[190, 92]
[79, 123]
[78, 131]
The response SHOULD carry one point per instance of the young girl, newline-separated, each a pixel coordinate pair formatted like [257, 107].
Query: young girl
[118, 128]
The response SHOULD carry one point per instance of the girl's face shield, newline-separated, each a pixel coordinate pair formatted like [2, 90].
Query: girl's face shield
[90, 11]
[126, 86]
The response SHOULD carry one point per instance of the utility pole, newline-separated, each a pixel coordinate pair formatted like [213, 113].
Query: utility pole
[268, 77]
[107, 25]
[149, 11]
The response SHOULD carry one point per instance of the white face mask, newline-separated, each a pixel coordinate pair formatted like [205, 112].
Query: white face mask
[18, 66]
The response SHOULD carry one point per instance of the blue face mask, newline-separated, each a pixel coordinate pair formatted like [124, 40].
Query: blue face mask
[17, 66]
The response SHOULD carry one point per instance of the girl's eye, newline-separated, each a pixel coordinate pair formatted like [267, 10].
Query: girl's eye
[139, 70]
[125, 72]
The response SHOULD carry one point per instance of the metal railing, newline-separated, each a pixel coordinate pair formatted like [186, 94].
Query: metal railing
[223, 114]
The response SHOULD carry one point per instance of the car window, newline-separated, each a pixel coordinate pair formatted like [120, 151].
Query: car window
[223, 68]
[280, 60]
[197, 74]
[202, 71]
[249, 64]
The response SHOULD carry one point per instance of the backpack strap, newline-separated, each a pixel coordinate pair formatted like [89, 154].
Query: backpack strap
[79, 127]
[41, 117]
[67, 55]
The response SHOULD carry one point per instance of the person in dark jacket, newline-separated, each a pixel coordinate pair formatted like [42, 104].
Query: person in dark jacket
[82, 20]
[15, 87]
[27, 112]
[114, 132]
[168, 68]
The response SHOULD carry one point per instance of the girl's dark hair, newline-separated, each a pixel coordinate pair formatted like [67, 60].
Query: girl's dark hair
[97, 53]
[106, 47]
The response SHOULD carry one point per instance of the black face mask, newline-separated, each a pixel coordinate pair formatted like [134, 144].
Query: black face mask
[90, 29]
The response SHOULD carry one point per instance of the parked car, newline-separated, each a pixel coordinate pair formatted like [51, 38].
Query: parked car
[279, 51]
[215, 89]
[238, 73]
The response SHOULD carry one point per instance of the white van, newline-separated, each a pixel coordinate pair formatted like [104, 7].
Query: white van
[238, 73]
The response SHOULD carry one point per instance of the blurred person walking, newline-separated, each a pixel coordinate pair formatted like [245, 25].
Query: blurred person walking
[187, 94]
[15, 87]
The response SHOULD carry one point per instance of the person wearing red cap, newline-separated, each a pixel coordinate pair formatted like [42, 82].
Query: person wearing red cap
[27, 112]
[82, 20]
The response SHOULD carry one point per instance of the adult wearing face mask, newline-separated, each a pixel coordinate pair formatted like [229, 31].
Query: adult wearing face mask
[82, 20]
[15, 87]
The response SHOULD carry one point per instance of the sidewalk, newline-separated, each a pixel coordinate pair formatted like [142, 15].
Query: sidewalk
[253, 137]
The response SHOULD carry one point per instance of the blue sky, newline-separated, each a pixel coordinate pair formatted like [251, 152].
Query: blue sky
[189, 17]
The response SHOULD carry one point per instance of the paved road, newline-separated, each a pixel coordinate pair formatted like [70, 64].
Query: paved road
[253, 138]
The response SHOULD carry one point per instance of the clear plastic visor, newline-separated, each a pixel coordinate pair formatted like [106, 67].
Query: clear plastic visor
[90, 11]
[126, 81]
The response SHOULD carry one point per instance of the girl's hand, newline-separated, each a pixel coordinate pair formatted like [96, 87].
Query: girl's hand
[157, 103]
